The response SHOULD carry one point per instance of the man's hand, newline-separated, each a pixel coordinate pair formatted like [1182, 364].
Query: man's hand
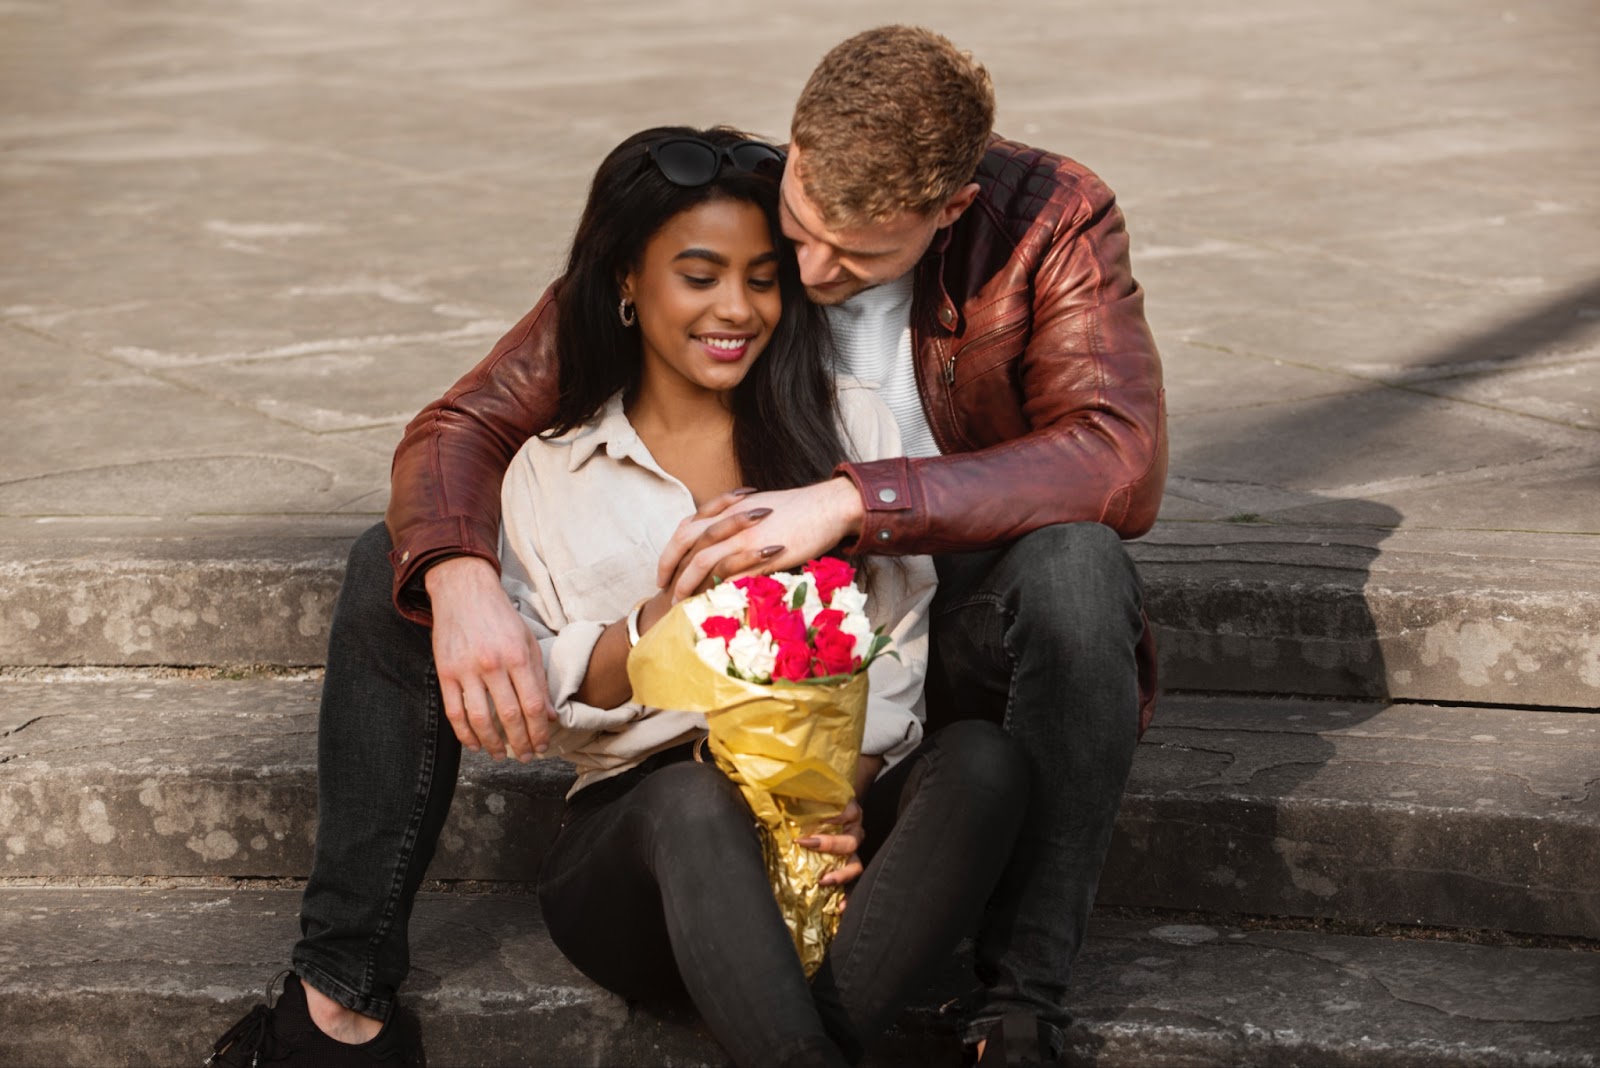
[488, 662]
[794, 525]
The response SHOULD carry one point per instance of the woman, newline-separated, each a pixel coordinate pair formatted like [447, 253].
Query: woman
[691, 365]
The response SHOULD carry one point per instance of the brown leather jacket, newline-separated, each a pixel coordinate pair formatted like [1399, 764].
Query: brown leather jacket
[1039, 377]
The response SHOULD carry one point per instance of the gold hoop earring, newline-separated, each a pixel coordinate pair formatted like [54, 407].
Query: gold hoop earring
[626, 313]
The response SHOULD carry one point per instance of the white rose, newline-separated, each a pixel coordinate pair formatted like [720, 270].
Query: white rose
[753, 655]
[697, 610]
[858, 627]
[726, 599]
[848, 599]
[713, 651]
[811, 604]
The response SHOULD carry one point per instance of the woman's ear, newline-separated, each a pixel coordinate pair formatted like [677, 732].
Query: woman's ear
[626, 285]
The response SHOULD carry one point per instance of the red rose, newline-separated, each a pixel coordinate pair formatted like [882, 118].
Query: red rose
[774, 618]
[786, 626]
[724, 627]
[835, 651]
[794, 661]
[760, 589]
[830, 573]
[828, 617]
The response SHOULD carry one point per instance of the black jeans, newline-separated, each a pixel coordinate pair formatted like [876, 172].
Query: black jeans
[386, 772]
[1037, 637]
[655, 887]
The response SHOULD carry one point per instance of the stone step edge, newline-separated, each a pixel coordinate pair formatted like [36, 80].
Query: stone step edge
[1103, 912]
[151, 977]
[1266, 627]
[218, 779]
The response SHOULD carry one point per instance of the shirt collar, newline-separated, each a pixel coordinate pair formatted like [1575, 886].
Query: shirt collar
[609, 429]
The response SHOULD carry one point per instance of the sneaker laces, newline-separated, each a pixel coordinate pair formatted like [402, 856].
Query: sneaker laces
[253, 1034]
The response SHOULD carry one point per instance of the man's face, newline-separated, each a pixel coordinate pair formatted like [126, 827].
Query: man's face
[835, 265]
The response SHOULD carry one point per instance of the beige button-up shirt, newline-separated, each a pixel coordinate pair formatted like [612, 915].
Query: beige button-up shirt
[585, 517]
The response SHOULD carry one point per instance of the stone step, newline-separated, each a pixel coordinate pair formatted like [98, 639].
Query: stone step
[217, 777]
[1239, 608]
[1458, 817]
[143, 976]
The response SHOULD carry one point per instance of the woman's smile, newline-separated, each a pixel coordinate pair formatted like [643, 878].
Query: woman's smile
[728, 348]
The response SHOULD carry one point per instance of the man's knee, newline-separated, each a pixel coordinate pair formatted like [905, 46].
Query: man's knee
[368, 577]
[985, 764]
[1075, 579]
[368, 562]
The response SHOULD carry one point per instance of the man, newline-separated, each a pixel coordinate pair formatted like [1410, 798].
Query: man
[983, 288]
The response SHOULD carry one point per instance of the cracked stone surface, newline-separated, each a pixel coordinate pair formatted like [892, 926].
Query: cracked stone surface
[158, 974]
[246, 244]
[1410, 814]
[1464, 817]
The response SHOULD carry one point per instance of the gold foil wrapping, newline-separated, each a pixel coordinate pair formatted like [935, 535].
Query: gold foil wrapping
[790, 747]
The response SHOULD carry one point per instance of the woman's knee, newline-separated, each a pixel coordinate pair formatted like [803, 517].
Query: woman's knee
[696, 809]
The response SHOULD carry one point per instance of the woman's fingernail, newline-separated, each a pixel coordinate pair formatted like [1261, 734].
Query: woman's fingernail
[743, 491]
[809, 843]
[758, 513]
[770, 551]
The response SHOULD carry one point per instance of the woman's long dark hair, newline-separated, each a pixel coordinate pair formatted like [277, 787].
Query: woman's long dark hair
[785, 413]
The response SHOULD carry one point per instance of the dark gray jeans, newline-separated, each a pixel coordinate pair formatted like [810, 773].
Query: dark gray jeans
[655, 887]
[1037, 637]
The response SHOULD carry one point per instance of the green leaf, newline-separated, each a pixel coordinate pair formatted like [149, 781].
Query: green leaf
[798, 598]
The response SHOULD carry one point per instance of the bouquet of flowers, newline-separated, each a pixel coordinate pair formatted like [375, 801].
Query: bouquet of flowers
[778, 664]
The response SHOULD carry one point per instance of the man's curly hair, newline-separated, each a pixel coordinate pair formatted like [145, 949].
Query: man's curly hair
[894, 119]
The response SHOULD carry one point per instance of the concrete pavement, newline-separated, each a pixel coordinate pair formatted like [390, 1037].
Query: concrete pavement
[245, 243]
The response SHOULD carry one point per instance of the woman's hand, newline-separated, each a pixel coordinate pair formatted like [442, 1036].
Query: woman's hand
[727, 538]
[845, 843]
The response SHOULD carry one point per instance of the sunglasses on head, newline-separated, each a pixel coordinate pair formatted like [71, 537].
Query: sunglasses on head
[692, 161]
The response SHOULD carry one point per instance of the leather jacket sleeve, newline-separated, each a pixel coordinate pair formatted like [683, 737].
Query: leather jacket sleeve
[444, 485]
[1088, 380]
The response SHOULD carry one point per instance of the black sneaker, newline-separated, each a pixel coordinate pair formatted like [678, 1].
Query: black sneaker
[283, 1034]
[1015, 1038]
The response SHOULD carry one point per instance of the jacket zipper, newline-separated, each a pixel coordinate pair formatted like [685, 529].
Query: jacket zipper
[983, 344]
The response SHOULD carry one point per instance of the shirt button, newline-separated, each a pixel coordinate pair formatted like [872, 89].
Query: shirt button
[884, 535]
[887, 495]
[405, 556]
[947, 315]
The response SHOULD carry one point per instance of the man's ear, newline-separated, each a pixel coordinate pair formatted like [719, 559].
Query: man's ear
[956, 205]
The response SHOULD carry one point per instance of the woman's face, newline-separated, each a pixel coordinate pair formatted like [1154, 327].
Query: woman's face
[707, 295]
